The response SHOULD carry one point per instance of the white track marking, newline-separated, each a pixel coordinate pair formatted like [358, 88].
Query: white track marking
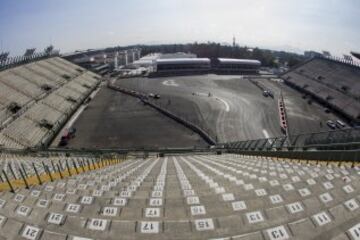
[266, 134]
[201, 94]
[170, 83]
[243, 99]
[75, 116]
[227, 107]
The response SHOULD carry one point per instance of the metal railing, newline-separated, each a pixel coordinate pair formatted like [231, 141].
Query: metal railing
[342, 139]
[342, 144]
[22, 172]
[19, 60]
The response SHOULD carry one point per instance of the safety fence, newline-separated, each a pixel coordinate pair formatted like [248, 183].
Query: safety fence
[18, 172]
[331, 145]
[19, 60]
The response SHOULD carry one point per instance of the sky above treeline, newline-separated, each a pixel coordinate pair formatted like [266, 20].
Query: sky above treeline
[291, 25]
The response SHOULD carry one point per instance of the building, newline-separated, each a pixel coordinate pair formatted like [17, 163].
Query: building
[182, 66]
[356, 54]
[236, 66]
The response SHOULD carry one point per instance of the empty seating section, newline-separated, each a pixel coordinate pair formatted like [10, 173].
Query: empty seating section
[45, 92]
[41, 111]
[4, 113]
[86, 79]
[334, 74]
[25, 132]
[9, 95]
[187, 197]
[33, 77]
[8, 142]
[75, 85]
[46, 73]
[60, 65]
[21, 85]
[336, 83]
[59, 103]
[56, 70]
[68, 93]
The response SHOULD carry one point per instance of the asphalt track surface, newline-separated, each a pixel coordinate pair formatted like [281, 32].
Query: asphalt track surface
[302, 116]
[235, 109]
[114, 120]
[229, 108]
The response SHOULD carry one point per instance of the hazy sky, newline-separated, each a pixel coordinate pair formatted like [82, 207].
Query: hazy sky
[332, 25]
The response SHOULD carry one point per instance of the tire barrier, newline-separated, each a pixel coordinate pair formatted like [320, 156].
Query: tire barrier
[282, 116]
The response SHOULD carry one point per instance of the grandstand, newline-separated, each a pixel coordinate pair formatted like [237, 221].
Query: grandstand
[356, 54]
[334, 83]
[193, 196]
[236, 66]
[182, 66]
[37, 98]
[287, 187]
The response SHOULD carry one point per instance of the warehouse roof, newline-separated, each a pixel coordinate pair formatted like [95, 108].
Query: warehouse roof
[239, 61]
[182, 60]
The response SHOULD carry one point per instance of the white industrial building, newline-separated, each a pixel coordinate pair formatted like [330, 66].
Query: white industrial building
[182, 66]
[236, 66]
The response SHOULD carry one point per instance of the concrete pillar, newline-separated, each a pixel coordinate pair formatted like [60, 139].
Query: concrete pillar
[116, 62]
[126, 58]
[133, 56]
[139, 53]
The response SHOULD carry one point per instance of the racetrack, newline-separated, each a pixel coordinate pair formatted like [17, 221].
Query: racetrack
[231, 108]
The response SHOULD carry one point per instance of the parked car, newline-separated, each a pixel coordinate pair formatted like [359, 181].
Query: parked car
[331, 124]
[270, 93]
[340, 124]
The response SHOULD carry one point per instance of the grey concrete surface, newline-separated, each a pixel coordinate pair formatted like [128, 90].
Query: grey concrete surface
[116, 120]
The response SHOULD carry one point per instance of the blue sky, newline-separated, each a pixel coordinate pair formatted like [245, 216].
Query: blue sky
[332, 25]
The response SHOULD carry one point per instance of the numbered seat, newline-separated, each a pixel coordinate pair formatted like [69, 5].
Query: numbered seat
[190, 197]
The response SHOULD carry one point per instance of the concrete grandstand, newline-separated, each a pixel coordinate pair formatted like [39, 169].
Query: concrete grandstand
[140, 166]
[335, 84]
[182, 66]
[237, 66]
[177, 65]
[37, 98]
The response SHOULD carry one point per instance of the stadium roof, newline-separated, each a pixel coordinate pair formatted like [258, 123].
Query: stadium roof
[356, 54]
[239, 61]
[182, 60]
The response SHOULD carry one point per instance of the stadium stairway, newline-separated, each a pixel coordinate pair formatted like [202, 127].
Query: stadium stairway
[193, 196]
